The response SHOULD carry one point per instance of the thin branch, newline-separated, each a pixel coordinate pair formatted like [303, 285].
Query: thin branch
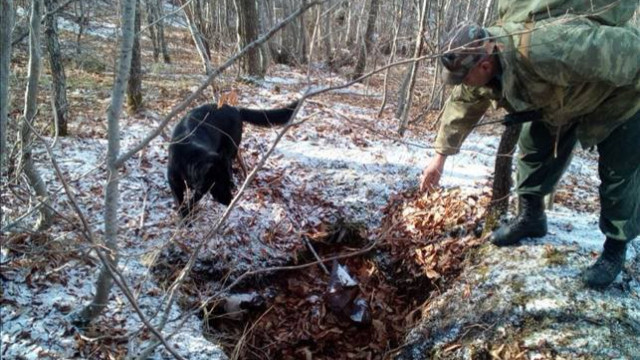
[164, 17]
[60, 7]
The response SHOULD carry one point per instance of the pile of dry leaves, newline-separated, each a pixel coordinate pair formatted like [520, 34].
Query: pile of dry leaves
[427, 236]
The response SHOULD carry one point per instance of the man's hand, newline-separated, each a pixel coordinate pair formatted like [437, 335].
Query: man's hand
[432, 173]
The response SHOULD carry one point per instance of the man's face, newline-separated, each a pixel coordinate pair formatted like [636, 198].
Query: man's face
[481, 74]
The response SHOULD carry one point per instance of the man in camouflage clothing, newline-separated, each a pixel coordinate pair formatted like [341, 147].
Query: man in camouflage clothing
[582, 81]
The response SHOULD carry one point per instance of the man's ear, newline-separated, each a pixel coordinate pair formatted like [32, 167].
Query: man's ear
[486, 65]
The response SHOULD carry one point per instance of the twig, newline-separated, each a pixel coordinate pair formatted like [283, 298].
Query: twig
[313, 251]
[165, 16]
[238, 347]
[144, 206]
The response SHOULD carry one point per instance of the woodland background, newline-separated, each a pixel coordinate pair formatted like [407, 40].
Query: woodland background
[89, 93]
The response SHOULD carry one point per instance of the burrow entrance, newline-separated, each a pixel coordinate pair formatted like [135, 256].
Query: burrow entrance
[308, 314]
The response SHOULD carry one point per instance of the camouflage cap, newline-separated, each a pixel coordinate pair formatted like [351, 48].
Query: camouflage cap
[463, 48]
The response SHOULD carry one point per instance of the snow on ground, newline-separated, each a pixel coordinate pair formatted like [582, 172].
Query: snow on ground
[330, 166]
[528, 300]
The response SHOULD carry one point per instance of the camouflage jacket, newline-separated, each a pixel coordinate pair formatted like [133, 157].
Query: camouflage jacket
[570, 69]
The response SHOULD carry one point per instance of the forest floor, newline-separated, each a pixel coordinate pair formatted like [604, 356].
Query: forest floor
[341, 181]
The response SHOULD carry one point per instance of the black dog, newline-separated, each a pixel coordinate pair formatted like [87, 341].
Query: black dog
[204, 143]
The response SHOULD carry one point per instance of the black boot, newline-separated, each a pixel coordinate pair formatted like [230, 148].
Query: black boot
[608, 265]
[531, 222]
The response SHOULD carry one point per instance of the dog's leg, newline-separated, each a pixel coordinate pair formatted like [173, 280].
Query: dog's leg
[221, 190]
[243, 167]
[178, 189]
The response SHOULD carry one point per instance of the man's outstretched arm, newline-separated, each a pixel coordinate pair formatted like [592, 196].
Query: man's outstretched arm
[462, 111]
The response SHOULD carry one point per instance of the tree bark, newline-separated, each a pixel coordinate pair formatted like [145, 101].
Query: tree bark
[6, 25]
[81, 24]
[134, 85]
[151, 19]
[434, 94]
[327, 33]
[159, 13]
[59, 84]
[284, 51]
[105, 282]
[353, 25]
[502, 180]
[367, 43]
[30, 108]
[197, 39]
[265, 24]
[402, 91]
[394, 48]
[413, 70]
[247, 31]
[303, 46]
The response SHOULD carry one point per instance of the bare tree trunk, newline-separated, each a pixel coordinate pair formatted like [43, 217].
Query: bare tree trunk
[265, 24]
[59, 84]
[30, 107]
[413, 70]
[342, 22]
[285, 52]
[402, 91]
[367, 43]
[303, 46]
[433, 94]
[199, 15]
[81, 24]
[503, 169]
[134, 85]
[159, 13]
[327, 33]
[104, 283]
[353, 31]
[6, 23]
[394, 48]
[151, 19]
[274, 45]
[197, 39]
[251, 64]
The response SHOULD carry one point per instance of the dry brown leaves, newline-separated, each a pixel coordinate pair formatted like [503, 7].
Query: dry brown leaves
[298, 323]
[426, 240]
[428, 235]
[36, 258]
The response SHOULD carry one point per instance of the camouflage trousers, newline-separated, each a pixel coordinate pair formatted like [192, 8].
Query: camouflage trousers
[543, 160]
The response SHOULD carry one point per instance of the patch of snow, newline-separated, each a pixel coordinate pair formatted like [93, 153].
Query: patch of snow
[543, 305]
[101, 30]
[281, 80]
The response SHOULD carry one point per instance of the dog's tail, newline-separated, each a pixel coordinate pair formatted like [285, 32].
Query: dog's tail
[268, 118]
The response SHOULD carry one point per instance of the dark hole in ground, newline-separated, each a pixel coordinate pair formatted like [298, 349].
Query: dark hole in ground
[290, 319]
